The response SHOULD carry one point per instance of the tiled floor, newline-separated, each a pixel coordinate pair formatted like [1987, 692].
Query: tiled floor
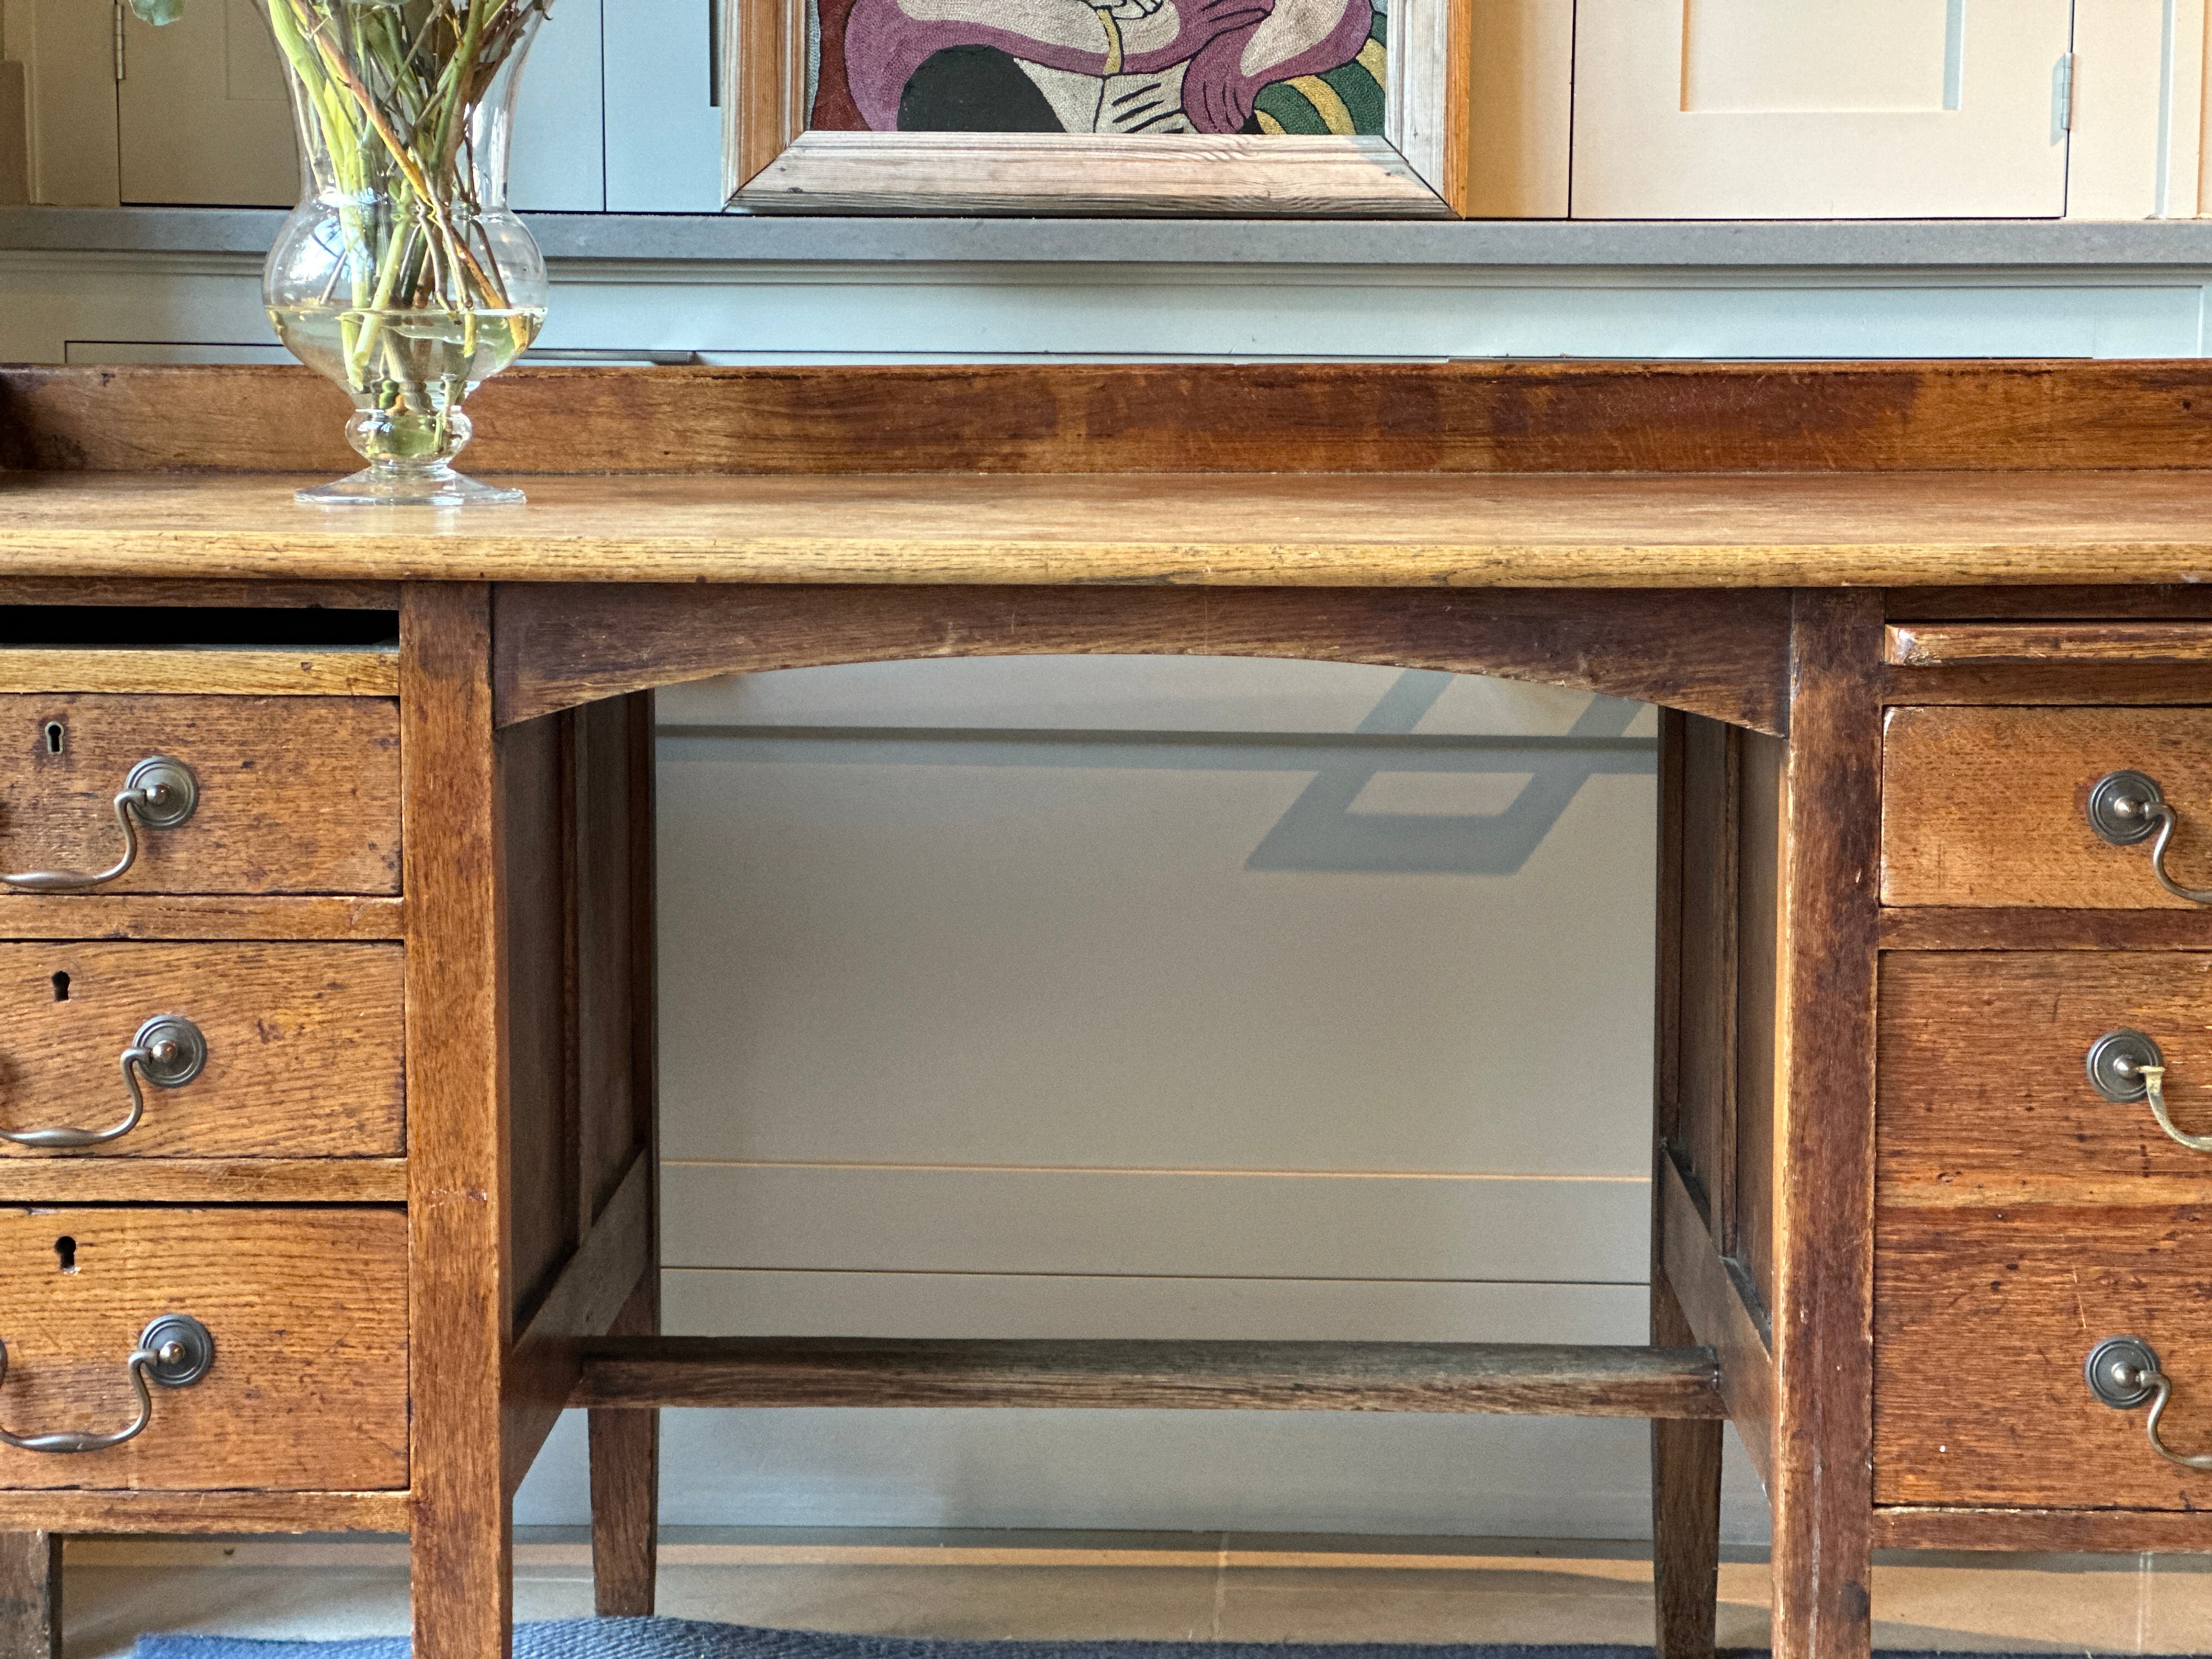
[1231, 1588]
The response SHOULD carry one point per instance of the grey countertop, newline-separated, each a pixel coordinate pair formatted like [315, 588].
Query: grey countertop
[1820, 244]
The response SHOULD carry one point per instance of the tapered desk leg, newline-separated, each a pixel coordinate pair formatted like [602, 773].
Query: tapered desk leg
[626, 1489]
[1685, 1455]
[1686, 1508]
[459, 1295]
[1822, 1479]
[31, 1594]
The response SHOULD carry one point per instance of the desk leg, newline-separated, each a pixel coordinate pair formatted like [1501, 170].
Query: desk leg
[1685, 1455]
[31, 1594]
[458, 1197]
[1822, 1477]
[626, 1489]
[1686, 1507]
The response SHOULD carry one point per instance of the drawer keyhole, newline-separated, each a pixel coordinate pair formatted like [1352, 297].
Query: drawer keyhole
[57, 736]
[61, 988]
[65, 1253]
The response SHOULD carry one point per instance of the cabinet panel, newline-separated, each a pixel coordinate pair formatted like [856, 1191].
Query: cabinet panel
[1692, 109]
[664, 131]
[200, 112]
[204, 121]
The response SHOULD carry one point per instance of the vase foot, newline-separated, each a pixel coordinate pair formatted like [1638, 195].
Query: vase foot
[429, 486]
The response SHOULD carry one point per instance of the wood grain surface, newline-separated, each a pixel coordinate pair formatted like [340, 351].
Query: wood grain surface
[297, 794]
[366, 672]
[205, 916]
[1697, 1123]
[31, 1594]
[459, 1198]
[1940, 928]
[1319, 175]
[575, 808]
[303, 1048]
[625, 1445]
[1982, 1323]
[1685, 1456]
[1723, 654]
[1479, 417]
[1384, 1377]
[2181, 599]
[203, 1512]
[308, 1308]
[1717, 1301]
[215, 593]
[1916, 1527]
[597, 1283]
[1984, 807]
[1936, 645]
[1685, 1509]
[2111, 684]
[1823, 1130]
[1218, 529]
[1984, 1098]
[204, 1180]
[625, 1475]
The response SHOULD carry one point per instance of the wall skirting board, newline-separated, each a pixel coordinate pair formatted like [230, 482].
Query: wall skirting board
[108, 306]
[1554, 244]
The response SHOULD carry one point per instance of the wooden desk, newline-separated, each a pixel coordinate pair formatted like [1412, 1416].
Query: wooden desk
[1903, 618]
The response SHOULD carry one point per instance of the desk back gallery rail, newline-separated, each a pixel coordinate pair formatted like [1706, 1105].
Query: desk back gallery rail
[1789, 560]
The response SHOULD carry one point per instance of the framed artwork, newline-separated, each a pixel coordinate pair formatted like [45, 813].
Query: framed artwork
[1242, 107]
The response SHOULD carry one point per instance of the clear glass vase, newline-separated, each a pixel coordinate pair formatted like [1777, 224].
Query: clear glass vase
[402, 275]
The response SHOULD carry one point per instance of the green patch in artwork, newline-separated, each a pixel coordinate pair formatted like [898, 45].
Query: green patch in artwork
[1347, 100]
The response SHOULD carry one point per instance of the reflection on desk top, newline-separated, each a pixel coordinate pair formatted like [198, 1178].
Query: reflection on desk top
[1896, 529]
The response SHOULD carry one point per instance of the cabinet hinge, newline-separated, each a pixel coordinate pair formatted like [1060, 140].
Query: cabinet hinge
[2062, 94]
[118, 40]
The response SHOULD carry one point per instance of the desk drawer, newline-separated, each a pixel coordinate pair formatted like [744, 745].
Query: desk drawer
[308, 1310]
[1983, 1320]
[302, 1052]
[293, 794]
[1983, 1093]
[1987, 806]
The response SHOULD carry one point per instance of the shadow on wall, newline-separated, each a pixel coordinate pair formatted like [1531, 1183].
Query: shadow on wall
[1322, 831]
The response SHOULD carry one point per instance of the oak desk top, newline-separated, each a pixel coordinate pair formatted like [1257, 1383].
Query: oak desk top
[1236, 529]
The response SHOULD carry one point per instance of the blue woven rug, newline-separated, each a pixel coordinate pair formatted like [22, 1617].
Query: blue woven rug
[683, 1638]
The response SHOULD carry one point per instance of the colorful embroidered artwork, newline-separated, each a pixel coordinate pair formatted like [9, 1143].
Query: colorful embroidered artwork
[1132, 66]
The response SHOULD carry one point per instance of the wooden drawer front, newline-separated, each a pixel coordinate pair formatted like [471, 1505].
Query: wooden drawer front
[1983, 807]
[297, 794]
[309, 1309]
[1983, 1095]
[1983, 1318]
[303, 1047]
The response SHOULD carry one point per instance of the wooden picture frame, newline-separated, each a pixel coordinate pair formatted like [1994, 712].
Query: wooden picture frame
[1416, 168]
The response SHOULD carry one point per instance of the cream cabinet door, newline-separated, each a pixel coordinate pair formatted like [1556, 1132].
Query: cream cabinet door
[202, 118]
[1820, 109]
[201, 114]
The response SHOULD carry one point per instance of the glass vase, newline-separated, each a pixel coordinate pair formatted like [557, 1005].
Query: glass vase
[402, 275]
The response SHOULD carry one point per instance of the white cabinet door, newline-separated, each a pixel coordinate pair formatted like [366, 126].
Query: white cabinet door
[663, 129]
[1755, 109]
[202, 117]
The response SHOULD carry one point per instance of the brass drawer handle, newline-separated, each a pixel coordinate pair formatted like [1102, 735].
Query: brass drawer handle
[2126, 807]
[160, 793]
[168, 1050]
[2123, 1371]
[2126, 1066]
[176, 1351]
